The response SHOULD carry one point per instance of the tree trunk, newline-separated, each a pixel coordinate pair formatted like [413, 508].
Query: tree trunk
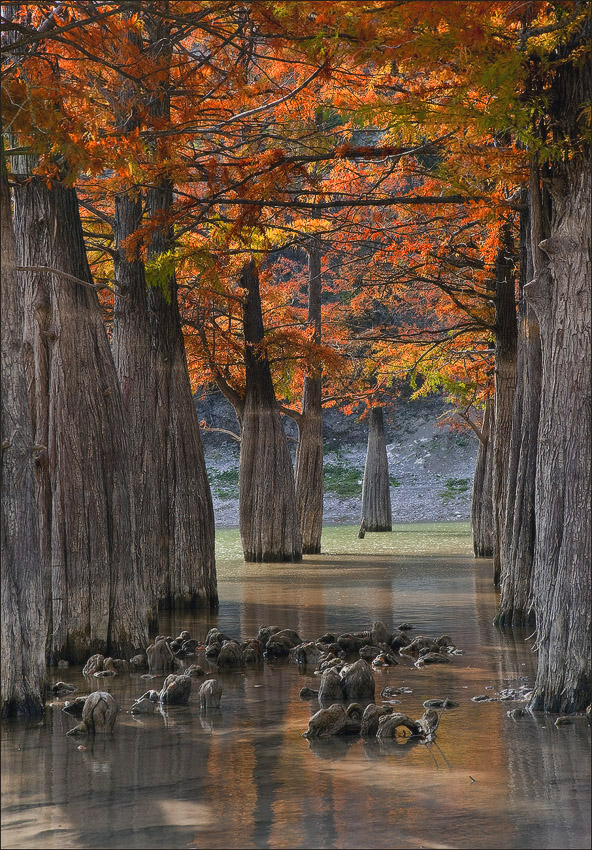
[96, 600]
[23, 604]
[268, 518]
[174, 512]
[376, 495]
[482, 505]
[506, 344]
[517, 544]
[309, 455]
[560, 296]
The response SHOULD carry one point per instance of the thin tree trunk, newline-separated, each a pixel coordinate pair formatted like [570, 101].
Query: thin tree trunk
[482, 505]
[23, 604]
[506, 343]
[560, 296]
[268, 518]
[97, 601]
[376, 496]
[517, 545]
[309, 454]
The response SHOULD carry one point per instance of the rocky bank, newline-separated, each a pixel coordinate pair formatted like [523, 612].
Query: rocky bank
[431, 467]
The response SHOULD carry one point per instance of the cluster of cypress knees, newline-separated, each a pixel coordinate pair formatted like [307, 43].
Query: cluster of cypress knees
[343, 681]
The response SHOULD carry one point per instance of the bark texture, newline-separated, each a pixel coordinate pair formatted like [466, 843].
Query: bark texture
[268, 519]
[96, 602]
[506, 344]
[560, 295]
[309, 455]
[376, 495]
[174, 512]
[482, 503]
[23, 604]
[517, 543]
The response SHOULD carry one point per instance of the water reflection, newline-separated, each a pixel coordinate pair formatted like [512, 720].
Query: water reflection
[243, 776]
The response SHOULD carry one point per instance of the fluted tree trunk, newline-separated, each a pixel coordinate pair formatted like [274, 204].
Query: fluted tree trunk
[518, 537]
[506, 344]
[482, 504]
[376, 496]
[268, 519]
[560, 296]
[309, 454]
[96, 600]
[23, 604]
[174, 512]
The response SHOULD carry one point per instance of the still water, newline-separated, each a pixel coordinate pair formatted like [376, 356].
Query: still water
[245, 777]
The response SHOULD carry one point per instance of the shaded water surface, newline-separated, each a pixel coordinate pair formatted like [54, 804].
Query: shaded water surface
[245, 777]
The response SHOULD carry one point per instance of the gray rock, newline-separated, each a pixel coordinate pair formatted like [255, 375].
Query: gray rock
[98, 714]
[210, 694]
[331, 687]
[384, 659]
[278, 646]
[358, 681]
[160, 655]
[93, 665]
[290, 634]
[331, 721]
[429, 723]
[252, 651]
[398, 640]
[432, 658]
[349, 643]
[369, 653]
[308, 693]
[61, 688]
[379, 633]
[328, 637]
[74, 706]
[176, 690]
[371, 717]
[195, 670]
[230, 655]
[265, 632]
[420, 642]
[305, 653]
[388, 725]
[216, 636]
[139, 661]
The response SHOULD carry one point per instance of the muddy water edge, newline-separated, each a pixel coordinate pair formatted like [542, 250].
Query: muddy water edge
[244, 777]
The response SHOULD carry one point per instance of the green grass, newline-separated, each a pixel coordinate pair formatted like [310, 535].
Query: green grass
[347, 482]
[225, 484]
[342, 480]
[454, 487]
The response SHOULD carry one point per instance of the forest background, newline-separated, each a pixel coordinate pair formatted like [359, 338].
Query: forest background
[307, 205]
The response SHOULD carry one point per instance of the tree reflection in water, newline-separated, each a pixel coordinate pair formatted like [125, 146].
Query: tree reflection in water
[243, 776]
